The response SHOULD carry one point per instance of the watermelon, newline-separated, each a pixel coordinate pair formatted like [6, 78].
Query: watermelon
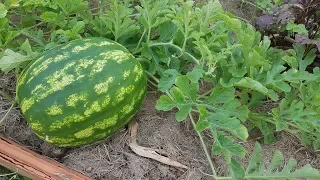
[82, 91]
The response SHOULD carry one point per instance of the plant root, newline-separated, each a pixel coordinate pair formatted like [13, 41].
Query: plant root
[148, 152]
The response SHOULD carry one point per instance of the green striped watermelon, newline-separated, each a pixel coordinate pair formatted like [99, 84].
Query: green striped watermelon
[81, 92]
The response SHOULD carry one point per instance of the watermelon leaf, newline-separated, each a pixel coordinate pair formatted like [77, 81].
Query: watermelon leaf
[3, 11]
[236, 169]
[225, 144]
[54, 18]
[117, 19]
[256, 169]
[168, 79]
[167, 31]
[12, 60]
[220, 112]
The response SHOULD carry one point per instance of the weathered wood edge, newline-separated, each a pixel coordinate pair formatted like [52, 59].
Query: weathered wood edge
[30, 164]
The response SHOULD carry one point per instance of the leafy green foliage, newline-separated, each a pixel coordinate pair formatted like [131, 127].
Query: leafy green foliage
[268, 4]
[54, 18]
[220, 112]
[296, 28]
[58, 19]
[298, 110]
[14, 60]
[3, 11]
[116, 20]
[69, 7]
[8, 175]
[256, 168]
[288, 21]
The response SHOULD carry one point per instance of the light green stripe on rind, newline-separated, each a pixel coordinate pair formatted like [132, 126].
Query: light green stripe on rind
[45, 64]
[66, 122]
[82, 66]
[36, 126]
[26, 104]
[82, 135]
[54, 110]
[57, 81]
[59, 140]
[81, 48]
[95, 107]
[138, 72]
[126, 73]
[75, 118]
[103, 86]
[109, 122]
[85, 133]
[74, 99]
[117, 55]
[121, 92]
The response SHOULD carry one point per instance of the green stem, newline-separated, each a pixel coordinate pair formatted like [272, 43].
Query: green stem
[195, 110]
[288, 130]
[238, 17]
[253, 15]
[204, 95]
[39, 24]
[204, 147]
[222, 178]
[117, 25]
[102, 4]
[253, 116]
[248, 2]
[94, 9]
[153, 84]
[11, 23]
[9, 174]
[195, 60]
[149, 35]
[133, 15]
[143, 60]
[68, 19]
[152, 76]
[186, 32]
[6, 96]
[144, 32]
[148, 20]
[260, 117]
[8, 112]
[63, 9]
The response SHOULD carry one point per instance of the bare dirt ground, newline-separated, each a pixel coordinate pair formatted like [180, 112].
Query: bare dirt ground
[113, 159]
[242, 10]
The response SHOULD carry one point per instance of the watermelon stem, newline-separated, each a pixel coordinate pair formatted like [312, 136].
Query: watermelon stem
[143, 60]
[194, 60]
[152, 76]
[204, 95]
[6, 96]
[144, 32]
[203, 146]
[8, 112]
[153, 84]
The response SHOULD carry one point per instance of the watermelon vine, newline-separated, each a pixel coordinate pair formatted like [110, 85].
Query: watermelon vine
[184, 47]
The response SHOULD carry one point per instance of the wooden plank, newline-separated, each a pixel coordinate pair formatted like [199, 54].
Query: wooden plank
[30, 164]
